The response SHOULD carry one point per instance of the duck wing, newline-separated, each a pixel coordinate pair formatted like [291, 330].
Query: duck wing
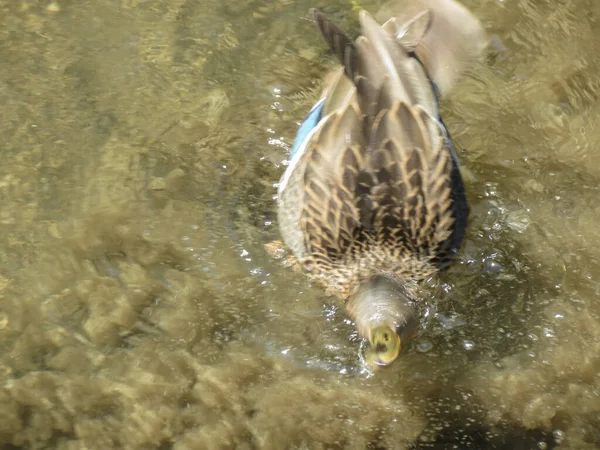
[378, 170]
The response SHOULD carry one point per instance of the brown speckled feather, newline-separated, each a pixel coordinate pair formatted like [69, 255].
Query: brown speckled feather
[381, 190]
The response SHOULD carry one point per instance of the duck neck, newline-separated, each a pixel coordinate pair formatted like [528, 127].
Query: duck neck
[381, 301]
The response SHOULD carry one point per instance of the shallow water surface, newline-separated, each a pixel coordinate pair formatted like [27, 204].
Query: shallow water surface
[141, 146]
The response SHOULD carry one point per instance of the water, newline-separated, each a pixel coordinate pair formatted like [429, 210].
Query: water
[141, 142]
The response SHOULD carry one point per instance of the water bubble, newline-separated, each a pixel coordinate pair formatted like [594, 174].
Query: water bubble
[490, 189]
[468, 345]
[558, 435]
[424, 347]
[542, 445]
[450, 322]
[491, 266]
[518, 221]
[548, 332]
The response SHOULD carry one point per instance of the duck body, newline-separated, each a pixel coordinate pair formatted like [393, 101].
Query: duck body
[372, 198]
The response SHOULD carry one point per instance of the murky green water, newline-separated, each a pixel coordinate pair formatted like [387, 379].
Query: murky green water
[140, 145]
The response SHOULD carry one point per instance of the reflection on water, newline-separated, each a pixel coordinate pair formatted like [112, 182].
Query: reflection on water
[141, 141]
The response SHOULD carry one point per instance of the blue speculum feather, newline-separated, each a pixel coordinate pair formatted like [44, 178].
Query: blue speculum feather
[311, 121]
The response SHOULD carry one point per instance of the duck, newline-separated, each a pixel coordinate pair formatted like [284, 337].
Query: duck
[372, 201]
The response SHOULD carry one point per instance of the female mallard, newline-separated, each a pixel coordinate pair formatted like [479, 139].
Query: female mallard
[373, 198]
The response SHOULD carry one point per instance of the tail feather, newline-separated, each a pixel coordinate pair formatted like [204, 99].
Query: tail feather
[341, 44]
